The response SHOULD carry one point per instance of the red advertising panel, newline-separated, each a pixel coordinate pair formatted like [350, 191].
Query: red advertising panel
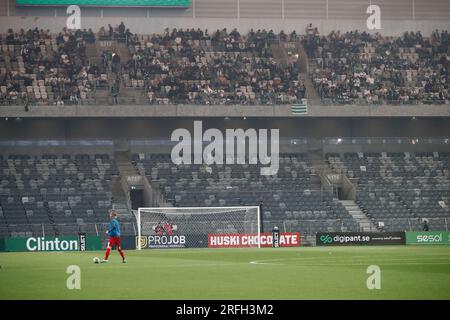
[287, 239]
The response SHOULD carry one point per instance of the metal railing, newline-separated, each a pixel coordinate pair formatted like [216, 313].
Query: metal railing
[65, 229]
[57, 143]
[381, 101]
[282, 141]
[384, 140]
[309, 227]
[413, 224]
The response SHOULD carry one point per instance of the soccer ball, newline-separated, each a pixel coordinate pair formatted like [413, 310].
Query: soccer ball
[96, 260]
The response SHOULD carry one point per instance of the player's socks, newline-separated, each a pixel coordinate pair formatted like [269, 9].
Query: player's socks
[121, 254]
[108, 251]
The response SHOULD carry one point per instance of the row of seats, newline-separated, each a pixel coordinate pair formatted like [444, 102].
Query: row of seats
[59, 190]
[400, 189]
[290, 199]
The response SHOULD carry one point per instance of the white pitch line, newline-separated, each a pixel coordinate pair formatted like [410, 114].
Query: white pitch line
[349, 264]
[381, 264]
[332, 261]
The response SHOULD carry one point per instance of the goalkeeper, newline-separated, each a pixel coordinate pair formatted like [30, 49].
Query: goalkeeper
[114, 237]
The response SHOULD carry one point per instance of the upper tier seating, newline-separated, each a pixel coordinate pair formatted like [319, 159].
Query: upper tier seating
[225, 68]
[37, 67]
[362, 68]
[197, 67]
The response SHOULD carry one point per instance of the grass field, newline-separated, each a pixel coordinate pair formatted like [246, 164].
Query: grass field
[407, 272]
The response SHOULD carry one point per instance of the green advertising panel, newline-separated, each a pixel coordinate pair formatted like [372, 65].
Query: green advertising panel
[93, 243]
[37, 244]
[42, 244]
[107, 3]
[428, 237]
[2, 244]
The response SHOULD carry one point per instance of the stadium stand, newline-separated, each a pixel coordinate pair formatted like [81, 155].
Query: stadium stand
[54, 194]
[63, 194]
[399, 189]
[194, 66]
[67, 193]
[361, 68]
[225, 68]
[37, 67]
[306, 209]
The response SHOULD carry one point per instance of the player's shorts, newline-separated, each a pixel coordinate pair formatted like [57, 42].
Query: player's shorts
[114, 241]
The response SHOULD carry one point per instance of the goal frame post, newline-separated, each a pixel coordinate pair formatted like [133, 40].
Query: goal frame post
[140, 209]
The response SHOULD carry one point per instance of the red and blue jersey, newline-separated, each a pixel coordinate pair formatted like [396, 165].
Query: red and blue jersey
[114, 230]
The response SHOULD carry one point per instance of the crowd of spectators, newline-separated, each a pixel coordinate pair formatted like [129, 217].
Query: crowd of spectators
[120, 33]
[358, 67]
[196, 67]
[36, 66]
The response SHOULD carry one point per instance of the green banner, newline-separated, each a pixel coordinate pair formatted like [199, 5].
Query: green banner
[35, 244]
[2, 244]
[107, 3]
[93, 243]
[428, 237]
[299, 109]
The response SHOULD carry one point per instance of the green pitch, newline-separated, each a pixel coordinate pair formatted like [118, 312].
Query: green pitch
[407, 272]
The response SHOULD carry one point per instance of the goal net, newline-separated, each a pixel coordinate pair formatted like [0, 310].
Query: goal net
[197, 227]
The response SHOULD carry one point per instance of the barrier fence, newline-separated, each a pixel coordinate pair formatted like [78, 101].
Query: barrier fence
[306, 226]
[92, 243]
[312, 226]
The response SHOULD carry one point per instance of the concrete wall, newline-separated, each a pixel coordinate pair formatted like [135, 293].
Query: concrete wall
[387, 148]
[397, 16]
[141, 128]
[219, 111]
[285, 147]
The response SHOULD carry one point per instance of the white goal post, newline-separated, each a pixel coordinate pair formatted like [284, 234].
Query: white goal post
[196, 227]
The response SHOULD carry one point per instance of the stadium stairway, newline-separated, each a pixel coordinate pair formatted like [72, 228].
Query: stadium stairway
[305, 66]
[125, 168]
[321, 169]
[131, 95]
[364, 222]
[290, 53]
[311, 92]
[123, 52]
[102, 96]
[93, 50]
[119, 202]
[302, 58]
[124, 164]
[93, 54]
[51, 218]
[286, 53]
[280, 54]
